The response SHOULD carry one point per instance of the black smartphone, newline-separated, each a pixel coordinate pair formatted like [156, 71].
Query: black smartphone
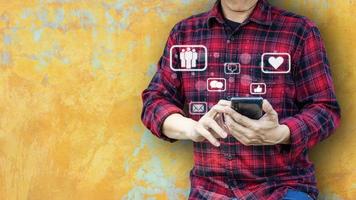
[249, 106]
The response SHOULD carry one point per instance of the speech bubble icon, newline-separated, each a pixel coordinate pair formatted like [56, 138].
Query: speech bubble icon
[232, 68]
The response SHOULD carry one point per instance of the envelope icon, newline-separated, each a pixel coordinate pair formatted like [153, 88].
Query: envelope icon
[197, 108]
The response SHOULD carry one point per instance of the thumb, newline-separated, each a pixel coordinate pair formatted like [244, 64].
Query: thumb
[267, 108]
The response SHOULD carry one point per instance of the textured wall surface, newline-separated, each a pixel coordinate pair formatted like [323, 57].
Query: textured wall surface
[71, 74]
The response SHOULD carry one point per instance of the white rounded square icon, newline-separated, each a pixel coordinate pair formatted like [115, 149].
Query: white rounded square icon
[232, 68]
[190, 58]
[258, 88]
[276, 63]
[198, 108]
[216, 84]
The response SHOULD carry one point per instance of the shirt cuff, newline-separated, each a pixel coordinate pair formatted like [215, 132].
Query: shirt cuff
[161, 115]
[298, 136]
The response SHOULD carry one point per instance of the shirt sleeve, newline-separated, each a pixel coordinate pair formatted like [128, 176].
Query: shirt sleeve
[163, 96]
[319, 110]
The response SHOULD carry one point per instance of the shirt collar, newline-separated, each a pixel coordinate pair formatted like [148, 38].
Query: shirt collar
[261, 13]
[216, 13]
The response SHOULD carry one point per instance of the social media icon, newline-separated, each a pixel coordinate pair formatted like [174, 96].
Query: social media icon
[188, 58]
[198, 108]
[232, 68]
[216, 84]
[258, 88]
[276, 63]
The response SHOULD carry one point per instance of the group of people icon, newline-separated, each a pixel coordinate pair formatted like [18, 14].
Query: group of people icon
[188, 58]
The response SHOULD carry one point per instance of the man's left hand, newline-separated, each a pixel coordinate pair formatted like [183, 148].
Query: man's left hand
[265, 131]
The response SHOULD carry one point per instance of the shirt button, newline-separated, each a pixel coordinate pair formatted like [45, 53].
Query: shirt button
[228, 41]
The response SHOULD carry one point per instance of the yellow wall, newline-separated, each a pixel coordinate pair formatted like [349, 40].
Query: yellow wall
[71, 74]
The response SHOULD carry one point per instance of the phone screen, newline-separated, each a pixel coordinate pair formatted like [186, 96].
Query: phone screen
[248, 106]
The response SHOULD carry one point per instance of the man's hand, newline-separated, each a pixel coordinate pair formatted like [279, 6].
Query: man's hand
[265, 131]
[209, 126]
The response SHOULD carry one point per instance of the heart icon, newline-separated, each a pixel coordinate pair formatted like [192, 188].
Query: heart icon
[276, 62]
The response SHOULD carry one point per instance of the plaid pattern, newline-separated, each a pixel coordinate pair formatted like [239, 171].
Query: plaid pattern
[304, 100]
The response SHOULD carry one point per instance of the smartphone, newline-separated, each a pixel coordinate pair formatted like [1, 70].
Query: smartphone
[248, 106]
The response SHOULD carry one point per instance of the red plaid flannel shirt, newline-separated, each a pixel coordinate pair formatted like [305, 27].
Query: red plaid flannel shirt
[304, 100]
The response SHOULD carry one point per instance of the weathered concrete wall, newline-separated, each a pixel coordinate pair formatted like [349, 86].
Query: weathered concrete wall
[71, 74]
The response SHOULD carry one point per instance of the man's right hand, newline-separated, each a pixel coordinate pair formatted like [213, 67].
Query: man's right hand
[209, 126]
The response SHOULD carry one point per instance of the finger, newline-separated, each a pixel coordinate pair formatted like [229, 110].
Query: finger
[224, 102]
[207, 135]
[220, 121]
[244, 139]
[243, 120]
[215, 135]
[240, 137]
[215, 127]
[218, 117]
[268, 108]
[238, 129]
[219, 107]
[216, 109]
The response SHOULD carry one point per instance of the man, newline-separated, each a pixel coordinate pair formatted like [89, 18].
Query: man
[238, 157]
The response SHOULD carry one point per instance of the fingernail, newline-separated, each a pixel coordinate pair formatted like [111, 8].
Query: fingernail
[224, 135]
